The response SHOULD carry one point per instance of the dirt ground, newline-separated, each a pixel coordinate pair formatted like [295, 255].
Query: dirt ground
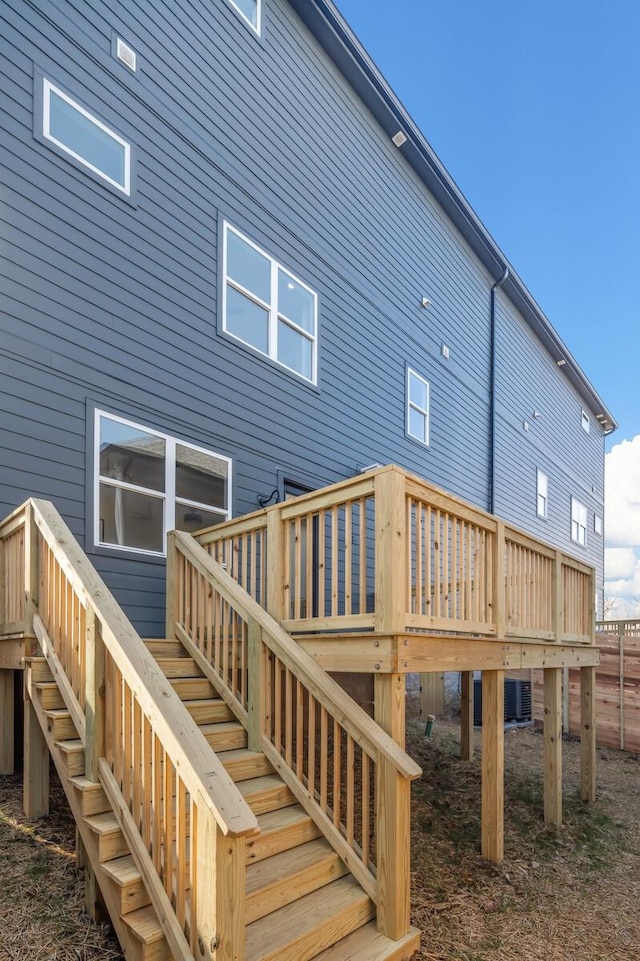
[567, 896]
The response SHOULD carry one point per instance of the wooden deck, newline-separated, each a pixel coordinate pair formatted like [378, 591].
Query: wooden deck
[160, 745]
[385, 574]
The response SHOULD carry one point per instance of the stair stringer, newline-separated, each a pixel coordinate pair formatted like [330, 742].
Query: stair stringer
[131, 947]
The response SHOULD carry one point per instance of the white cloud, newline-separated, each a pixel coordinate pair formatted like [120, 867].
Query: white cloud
[622, 528]
[619, 562]
[622, 497]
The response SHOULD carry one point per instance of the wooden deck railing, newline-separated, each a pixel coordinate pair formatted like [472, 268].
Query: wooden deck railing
[182, 815]
[14, 573]
[350, 776]
[388, 552]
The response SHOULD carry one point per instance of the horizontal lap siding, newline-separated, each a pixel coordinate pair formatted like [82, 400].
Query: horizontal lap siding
[529, 380]
[118, 302]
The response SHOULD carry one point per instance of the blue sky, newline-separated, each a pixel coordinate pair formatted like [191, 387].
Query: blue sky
[534, 107]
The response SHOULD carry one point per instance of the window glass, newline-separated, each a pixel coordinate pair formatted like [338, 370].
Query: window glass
[249, 9]
[247, 320]
[201, 477]
[295, 350]
[84, 137]
[130, 519]
[190, 518]
[132, 455]
[150, 483]
[542, 494]
[417, 407]
[69, 126]
[248, 267]
[417, 391]
[268, 308]
[295, 302]
[417, 424]
[578, 522]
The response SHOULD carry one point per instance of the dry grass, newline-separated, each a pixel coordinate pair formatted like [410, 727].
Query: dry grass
[41, 890]
[571, 896]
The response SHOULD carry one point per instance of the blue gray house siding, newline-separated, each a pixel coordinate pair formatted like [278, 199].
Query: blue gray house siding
[115, 304]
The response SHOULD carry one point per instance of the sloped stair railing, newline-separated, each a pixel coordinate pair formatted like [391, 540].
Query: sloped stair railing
[349, 775]
[140, 742]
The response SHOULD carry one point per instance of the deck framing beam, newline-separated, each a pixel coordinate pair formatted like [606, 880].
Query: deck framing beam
[373, 653]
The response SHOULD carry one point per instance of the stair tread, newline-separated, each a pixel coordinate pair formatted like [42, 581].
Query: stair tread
[265, 793]
[57, 712]
[283, 865]
[367, 944]
[144, 925]
[71, 746]
[298, 931]
[104, 823]
[123, 870]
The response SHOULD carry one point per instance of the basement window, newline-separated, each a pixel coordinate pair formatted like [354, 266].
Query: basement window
[578, 522]
[83, 138]
[268, 308]
[148, 483]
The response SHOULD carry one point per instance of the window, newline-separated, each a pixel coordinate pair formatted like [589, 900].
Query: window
[542, 494]
[586, 421]
[597, 524]
[267, 307]
[76, 133]
[578, 522]
[250, 11]
[417, 406]
[147, 483]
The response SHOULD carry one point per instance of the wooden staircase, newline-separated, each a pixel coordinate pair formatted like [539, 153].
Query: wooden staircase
[301, 901]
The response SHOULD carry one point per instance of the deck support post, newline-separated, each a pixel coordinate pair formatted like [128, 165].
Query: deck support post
[588, 733]
[36, 765]
[493, 765]
[466, 715]
[389, 705]
[7, 732]
[553, 746]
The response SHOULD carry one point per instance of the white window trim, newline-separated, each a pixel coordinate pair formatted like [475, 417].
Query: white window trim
[411, 406]
[271, 308]
[257, 28]
[579, 509]
[47, 88]
[542, 492]
[168, 496]
[585, 420]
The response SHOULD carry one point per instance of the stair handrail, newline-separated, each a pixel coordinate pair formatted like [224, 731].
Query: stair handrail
[333, 696]
[288, 697]
[200, 767]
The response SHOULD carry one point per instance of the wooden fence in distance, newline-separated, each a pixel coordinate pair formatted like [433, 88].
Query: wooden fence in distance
[617, 687]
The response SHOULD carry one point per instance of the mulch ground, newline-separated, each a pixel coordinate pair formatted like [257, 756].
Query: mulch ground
[572, 895]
